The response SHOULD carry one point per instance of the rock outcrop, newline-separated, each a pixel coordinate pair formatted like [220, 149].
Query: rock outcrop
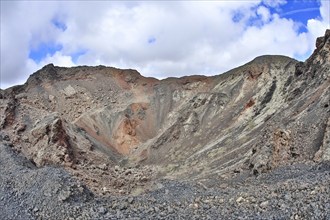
[50, 142]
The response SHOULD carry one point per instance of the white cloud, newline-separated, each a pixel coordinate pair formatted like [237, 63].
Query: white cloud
[325, 12]
[274, 3]
[23, 25]
[264, 13]
[157, 38]
[316, 27]
[58, 59]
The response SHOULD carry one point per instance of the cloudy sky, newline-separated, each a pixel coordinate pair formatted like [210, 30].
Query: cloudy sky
[158, 38]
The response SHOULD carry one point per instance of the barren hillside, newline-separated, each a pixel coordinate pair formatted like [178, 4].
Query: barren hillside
[206, 147]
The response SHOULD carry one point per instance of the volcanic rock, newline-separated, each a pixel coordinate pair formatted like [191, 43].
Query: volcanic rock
[106, 143]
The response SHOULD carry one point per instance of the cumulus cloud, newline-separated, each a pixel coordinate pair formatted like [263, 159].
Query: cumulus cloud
[23, 26]
[325, 13]
[159, 39]
[264, 13]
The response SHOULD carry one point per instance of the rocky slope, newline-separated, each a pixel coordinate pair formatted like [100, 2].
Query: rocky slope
[245, 141]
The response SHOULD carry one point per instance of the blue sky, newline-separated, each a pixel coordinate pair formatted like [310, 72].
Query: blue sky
[159, 39]
[300, 11]
[43, 49]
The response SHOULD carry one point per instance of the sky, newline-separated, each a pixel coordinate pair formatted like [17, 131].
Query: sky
[158, 38]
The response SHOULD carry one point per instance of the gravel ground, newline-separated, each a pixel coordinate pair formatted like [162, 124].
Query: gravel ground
[293, 192]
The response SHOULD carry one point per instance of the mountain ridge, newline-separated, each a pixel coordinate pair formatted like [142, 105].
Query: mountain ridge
[120, 133]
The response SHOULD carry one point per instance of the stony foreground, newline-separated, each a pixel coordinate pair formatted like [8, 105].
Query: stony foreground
[293, 192]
